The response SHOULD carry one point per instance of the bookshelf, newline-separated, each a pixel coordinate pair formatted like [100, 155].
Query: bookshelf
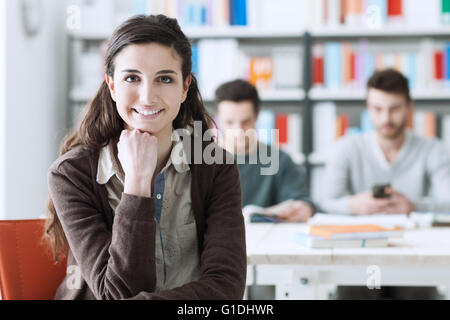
[396, 34]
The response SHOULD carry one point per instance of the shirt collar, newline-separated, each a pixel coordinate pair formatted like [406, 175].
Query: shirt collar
[108, 167]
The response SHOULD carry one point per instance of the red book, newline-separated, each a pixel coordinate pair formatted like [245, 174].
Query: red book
[345, 122]
[352, 66]
[438, 65]
[395, 8]
[318, 65]
[318, 71]
[281, 123]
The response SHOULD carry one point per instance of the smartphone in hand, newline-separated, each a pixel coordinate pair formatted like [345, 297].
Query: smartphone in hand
[381, 191]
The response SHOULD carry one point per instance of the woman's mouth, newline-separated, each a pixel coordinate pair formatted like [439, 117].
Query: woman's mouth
[148, 114]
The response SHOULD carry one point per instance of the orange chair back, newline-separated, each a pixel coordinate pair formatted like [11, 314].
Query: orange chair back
[27, 268]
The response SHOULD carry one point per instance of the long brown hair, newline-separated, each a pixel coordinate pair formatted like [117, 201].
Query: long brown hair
[102, 123]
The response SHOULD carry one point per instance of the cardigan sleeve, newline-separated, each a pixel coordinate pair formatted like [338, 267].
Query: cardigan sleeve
[223, 258]
[116, 264]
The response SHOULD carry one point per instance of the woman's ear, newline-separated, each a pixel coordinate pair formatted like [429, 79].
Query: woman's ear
[186, 86]
[110, 83]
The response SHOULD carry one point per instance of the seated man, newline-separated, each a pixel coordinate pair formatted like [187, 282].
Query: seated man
[237, 111]
[416, 169]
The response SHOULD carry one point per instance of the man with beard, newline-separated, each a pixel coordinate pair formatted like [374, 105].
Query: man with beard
[416, 169]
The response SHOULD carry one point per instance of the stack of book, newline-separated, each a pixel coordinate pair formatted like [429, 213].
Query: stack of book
[343, 236]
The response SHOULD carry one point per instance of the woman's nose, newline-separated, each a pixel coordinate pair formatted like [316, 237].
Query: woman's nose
[148, 95]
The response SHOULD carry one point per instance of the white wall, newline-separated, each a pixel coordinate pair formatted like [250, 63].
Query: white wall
[35, 107]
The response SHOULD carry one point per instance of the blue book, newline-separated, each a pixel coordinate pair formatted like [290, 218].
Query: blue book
[195, 70]
[376, 16]
[232, 8]
[333, 65]
[204, 18]
[366, 122]
[447, 64]
[370, 69]
[411, 70]
[353, 131]
[139, 7]
[241, 12]
[197, 14]
[265, 126]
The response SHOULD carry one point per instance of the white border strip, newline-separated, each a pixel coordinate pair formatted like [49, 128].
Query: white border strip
[3, 17]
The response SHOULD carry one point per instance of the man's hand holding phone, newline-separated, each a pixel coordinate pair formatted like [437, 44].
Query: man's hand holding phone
[382, 199]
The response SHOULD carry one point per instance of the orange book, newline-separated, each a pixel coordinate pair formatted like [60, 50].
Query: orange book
[379, 61]
[343, 11]
[347, 55]
[338, 127]
[366, 231]
[430, 124]
[261, 72]
[354, 6]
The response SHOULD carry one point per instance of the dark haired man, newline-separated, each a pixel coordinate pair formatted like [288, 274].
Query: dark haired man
[416, 169]
[238, 106]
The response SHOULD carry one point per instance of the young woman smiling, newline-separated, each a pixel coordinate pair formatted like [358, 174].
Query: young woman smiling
[133, 220]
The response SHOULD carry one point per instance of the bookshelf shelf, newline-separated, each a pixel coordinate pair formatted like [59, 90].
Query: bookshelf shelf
[386, 32]
[292, 95]
[197, 33]
[238, 32]
[320, 94]
[89, 35]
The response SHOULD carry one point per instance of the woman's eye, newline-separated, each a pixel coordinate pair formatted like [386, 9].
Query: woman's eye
[131, 79]
[164, 79]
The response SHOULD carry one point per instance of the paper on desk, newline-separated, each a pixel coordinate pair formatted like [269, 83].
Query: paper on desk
[248, 210]
[385, 220]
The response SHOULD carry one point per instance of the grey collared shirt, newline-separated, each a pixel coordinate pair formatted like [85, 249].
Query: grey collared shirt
[176, 243]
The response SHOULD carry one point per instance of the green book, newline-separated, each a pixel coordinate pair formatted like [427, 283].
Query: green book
[445, 6]
[445, 12]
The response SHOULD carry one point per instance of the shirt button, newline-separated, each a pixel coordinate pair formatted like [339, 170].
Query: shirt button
[158, 196]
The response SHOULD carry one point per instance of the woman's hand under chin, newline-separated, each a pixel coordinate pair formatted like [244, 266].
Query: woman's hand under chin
[138, 153]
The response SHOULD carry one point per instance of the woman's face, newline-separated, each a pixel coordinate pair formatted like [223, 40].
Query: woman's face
[148, 87]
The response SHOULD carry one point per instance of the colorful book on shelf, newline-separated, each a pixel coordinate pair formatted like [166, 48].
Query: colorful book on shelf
[318, 65]
[265, 124]
[395, 8]
[425, 124]
[364, 231]
[353, 13]
[342, 125]
[261, 72]
[333, 65]
[366, 122]
[281, 124]
[289, 126]
[445, 12]
[315, 242]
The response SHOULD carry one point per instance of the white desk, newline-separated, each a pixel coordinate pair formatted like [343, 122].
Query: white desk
[420, 258]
